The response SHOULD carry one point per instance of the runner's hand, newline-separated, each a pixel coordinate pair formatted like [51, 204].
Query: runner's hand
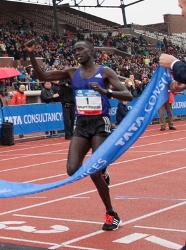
[96, 87]
[30, 45]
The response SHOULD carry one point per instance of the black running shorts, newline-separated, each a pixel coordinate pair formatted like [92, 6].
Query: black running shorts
[89, 126]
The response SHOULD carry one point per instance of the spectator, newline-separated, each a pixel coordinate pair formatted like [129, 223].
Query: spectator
[2, 89]
[21, 78]
[19, 98]
[159, 45]
[168, 107]
[137, 91]
[144, 83]
[68, 105]
[48, 96]
[165, 42]
[1, 100]
[129, 83]
[56, 89]
[122, 111]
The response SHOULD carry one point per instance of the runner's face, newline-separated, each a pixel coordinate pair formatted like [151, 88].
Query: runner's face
[81, 52]
[182, 5]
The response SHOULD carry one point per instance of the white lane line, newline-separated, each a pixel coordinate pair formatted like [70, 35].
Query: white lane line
[30, 155]
[154, 213]
[150, 156]
[58, 219]
[164, 133]
[77, 239]
[32, 147]
[32, 165]
[100, 231]
[162, 229]
[124, 223]
[54, 245]
[148, 176]
[76, 247]
[61, 151]
[164, 243]
[47, 202]
[25, 240]
[45, 178]
[131, 238]
[115, 163]
[123, 197]
[158, 142]
[90, 191]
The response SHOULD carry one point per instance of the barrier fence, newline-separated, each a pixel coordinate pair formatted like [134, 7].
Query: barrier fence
[33, 118]
[178, 107]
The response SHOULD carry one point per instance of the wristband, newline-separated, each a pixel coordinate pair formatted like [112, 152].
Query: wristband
[109, 93]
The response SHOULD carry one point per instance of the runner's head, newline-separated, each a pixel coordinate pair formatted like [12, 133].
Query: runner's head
[83, 51]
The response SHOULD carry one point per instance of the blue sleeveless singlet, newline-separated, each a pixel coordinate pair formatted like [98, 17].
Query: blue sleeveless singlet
[89, 102]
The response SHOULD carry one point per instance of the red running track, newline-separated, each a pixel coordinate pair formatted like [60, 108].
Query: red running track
[147, 188]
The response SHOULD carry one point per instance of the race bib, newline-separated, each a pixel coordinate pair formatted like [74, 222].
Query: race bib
[88, 102]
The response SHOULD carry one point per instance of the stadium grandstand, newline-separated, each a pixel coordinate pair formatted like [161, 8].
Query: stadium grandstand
[53, 14]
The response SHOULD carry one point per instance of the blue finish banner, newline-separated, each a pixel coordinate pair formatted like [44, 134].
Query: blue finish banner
[31, 118]
[127, 132]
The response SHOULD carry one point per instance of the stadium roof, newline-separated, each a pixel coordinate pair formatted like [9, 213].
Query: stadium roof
[81, 3]
[41, 2]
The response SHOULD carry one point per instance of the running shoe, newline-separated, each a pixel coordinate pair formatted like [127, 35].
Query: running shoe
[111, 222]
[106, 176]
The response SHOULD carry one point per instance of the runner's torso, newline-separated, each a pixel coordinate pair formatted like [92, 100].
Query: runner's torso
[88, 101]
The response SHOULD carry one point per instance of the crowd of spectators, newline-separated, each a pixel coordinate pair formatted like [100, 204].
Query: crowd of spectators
[136, 66]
